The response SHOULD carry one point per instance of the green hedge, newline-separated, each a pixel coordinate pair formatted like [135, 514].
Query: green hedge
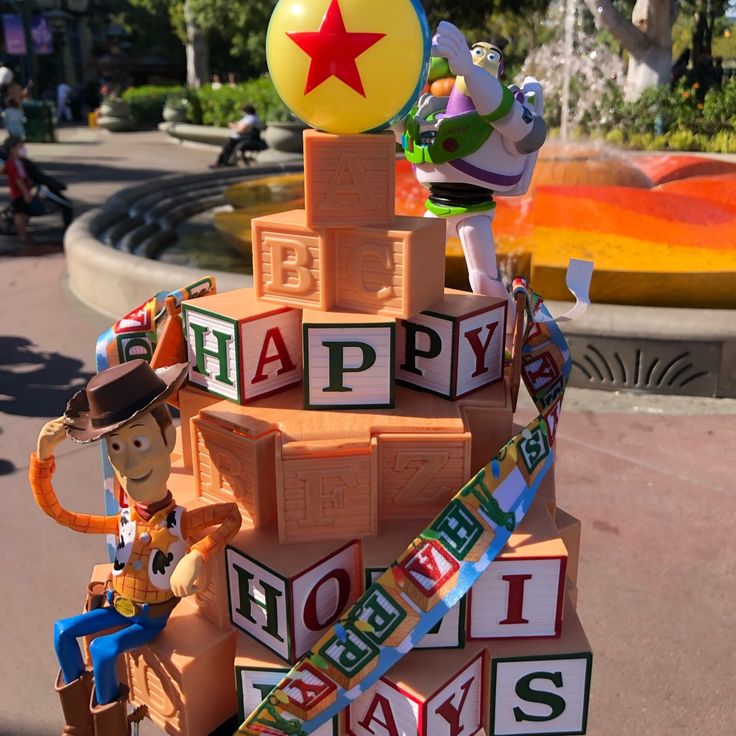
[146, 104]
[677, 119]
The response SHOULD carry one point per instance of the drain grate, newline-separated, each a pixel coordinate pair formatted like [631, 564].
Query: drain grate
[654, 366]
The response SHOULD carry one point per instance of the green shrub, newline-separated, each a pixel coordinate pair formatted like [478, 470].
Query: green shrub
[146, 103]
[615, 137]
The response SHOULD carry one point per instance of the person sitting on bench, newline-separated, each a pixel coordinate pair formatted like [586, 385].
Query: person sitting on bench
[245, 130]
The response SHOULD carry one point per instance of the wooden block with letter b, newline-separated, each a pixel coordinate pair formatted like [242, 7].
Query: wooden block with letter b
[453, 347]
[349, 179]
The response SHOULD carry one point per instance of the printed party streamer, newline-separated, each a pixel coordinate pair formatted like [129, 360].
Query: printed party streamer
[438, 567]
[135, 336]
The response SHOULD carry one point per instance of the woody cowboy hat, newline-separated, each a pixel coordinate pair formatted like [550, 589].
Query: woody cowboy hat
[115, 396]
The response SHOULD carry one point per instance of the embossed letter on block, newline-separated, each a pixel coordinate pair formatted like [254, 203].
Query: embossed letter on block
[290, 261]
[397, 272]
[239, 348]
[327, 494]
[285, 598]
[349, 179]
[348, 360]
[454, 347]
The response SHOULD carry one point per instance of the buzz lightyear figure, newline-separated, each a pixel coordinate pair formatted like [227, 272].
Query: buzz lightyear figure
[480, 141]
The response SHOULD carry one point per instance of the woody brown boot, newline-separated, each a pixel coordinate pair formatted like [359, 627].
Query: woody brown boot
[75, 704]
[112, 719]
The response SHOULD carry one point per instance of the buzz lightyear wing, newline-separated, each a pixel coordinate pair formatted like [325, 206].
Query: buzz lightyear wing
[534, 100]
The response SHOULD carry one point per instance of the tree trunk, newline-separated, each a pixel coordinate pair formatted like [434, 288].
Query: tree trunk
[198, 51]
[647, 38]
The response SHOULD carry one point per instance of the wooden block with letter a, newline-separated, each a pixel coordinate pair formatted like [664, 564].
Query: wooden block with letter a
[349, 179]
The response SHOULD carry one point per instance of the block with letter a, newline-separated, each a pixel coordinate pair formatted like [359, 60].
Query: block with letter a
[241, 349]
[522, 592]
[454, 347]
[286, 597]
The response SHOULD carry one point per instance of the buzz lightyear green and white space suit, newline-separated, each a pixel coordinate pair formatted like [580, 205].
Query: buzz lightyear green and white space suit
[481, 140]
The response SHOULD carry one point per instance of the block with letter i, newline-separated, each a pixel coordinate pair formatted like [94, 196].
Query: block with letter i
[241, 349]
[454, 347]
[522, 593]
[286, 597]
[416, 697]
[541, 686]
[349, 179]
[348, 360]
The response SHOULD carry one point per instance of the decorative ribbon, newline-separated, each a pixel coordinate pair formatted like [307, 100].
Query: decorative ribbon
[439, 566]
[135, 336]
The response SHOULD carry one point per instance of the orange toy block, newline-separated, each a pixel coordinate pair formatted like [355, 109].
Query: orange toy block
[291, 263]
[378, 553]
[569, 528]
[397, 272]
[348, 360]
[286, 597]
[488, 417]
[326, 492]
[230, 465]
[416, 697]
[185, 675]
[420, 473]
[349, 179]
[191, 400]
[541, 686]
[239, 348]
[453, 347]
[258, 670]
[522, 593]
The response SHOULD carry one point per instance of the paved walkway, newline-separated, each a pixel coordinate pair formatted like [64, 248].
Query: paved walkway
[650, 478]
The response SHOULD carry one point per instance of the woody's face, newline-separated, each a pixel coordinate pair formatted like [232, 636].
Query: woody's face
[141, 458]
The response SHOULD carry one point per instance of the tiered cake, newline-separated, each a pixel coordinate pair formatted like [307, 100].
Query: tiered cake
[341, 403]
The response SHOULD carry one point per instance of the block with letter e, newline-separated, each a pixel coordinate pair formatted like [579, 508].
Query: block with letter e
[522, 593]
[241, 349]
[541, 686]
[349, 179]
[258, 671]
[397, 271]
[348, 360]
[286, 597]
[454, 347]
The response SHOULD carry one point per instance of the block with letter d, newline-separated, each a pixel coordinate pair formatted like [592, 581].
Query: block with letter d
[241, 349]
[454, 347]
[348, 360]
[286, 597]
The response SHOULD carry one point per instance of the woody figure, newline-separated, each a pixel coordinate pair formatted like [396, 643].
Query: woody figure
[154, 564]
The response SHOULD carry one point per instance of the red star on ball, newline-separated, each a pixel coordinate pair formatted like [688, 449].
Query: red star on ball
[333, 51]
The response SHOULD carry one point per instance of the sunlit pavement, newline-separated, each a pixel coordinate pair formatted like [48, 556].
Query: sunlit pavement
[650, 477]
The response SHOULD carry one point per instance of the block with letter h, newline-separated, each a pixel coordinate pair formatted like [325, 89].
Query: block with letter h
[522, 593]
[454, 347]
[241, 349]
[417, 697]
[286, 597]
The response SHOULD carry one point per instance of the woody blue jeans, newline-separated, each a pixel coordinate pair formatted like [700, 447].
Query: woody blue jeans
[133, 632]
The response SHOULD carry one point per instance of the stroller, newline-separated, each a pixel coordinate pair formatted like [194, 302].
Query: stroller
[47, 195]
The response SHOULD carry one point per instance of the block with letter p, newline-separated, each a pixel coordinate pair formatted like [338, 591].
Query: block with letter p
[239, 348]
[454, 347]
[348, 360]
